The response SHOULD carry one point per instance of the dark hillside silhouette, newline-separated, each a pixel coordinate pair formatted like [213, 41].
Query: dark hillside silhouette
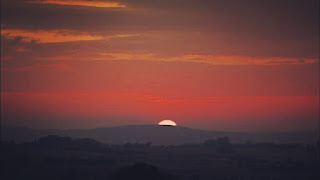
[158, 135]
[57, 157]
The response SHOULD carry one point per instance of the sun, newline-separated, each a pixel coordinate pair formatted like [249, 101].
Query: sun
[167, 122]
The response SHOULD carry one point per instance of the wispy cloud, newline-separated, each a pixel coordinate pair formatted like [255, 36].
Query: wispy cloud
[42, 67]
[214, 60]
[209, 59]
[93, 3]
[55, 36]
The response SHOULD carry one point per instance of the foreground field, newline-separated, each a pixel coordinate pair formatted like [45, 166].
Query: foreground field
[55, 157]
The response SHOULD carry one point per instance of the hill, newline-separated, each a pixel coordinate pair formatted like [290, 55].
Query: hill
[157, 135]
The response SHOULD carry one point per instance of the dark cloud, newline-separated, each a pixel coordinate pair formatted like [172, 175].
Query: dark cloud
[168, 14]
[268, 25]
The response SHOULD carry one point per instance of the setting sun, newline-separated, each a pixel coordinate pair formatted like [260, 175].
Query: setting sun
[167, 123]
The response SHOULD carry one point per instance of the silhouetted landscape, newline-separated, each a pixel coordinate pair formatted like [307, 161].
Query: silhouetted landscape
[64, 157]
[158, 135]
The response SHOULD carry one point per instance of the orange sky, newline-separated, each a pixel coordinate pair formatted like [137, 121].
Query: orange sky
[205, 64]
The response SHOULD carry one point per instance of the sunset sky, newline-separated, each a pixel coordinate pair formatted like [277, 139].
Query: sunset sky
[208, 64]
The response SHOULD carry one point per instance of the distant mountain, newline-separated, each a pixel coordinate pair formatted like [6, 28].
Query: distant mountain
[157, 135]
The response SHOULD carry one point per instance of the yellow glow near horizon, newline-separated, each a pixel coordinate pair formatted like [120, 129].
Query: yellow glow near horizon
[167, 122]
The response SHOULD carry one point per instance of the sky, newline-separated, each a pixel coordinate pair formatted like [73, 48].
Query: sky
[209, 64]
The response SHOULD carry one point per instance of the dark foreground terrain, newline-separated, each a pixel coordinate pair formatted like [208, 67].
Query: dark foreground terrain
[56, 157]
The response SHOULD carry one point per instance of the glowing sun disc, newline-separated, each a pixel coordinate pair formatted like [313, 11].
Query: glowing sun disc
[167, 123]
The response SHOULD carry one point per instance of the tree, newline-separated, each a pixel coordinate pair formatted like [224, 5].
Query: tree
[141, 171]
